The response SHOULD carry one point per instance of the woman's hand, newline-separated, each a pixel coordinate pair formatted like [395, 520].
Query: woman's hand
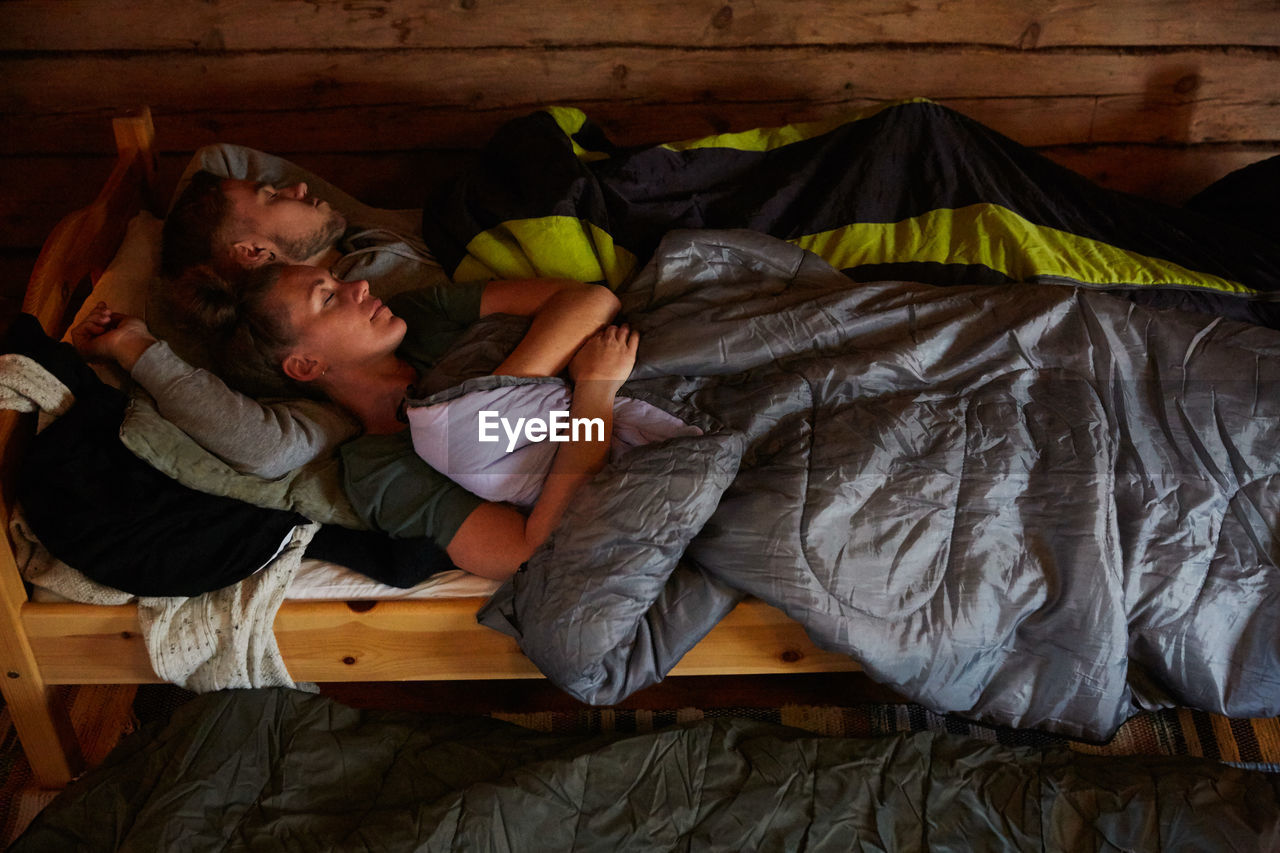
[564, 315]
[105, 335]
[496, 539]
[606, 358]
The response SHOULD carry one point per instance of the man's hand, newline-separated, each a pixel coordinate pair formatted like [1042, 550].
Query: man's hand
[105, 335]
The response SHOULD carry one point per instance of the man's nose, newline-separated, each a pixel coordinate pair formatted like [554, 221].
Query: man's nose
[360, 289]
[297, 191]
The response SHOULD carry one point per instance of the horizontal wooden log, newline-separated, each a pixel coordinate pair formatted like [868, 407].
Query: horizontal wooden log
[400, 99]
[394, 641]
[15, 269]
[71, 25]
[399, 127]
[1169, 175]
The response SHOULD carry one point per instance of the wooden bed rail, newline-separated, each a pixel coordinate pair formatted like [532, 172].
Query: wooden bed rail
[395, 641]
[84, 242]
[76, 253]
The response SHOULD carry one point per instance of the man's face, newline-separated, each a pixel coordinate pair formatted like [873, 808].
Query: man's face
[289, 224]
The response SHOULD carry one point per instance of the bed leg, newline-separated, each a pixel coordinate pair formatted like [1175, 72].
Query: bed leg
[45, 730]
[42, 722]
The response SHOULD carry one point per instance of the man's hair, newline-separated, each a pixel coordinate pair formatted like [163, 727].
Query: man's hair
[250, 333]
[193, 230]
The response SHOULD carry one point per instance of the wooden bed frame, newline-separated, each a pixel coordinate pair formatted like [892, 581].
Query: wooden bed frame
[47, 644]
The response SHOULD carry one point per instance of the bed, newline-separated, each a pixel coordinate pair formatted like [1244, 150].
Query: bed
[337, 640]
[47, 644]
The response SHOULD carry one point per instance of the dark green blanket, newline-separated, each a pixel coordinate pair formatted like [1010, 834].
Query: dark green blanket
[281, 770]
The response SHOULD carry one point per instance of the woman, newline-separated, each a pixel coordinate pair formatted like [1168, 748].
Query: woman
[333, 337]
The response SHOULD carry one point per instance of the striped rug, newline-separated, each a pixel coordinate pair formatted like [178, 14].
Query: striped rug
[101, 714]
[1251, 743]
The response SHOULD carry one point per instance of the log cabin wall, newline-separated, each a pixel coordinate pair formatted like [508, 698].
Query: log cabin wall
[1158, 97]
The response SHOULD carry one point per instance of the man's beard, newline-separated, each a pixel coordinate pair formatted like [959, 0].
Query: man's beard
[302, 249]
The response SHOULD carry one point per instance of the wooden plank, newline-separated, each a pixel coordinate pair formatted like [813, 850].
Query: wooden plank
[396, 641]
[42, 723]
[83, 244]
[1170, 175]
[1229, 94]
[39, 191]
[15, 269]
[393, 128]
[88, 644]
[36, 25]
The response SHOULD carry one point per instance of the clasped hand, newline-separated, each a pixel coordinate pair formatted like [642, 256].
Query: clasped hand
[606, 357]
[106, 335]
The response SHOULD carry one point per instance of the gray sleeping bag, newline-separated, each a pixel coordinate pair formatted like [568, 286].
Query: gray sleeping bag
[1036, 506]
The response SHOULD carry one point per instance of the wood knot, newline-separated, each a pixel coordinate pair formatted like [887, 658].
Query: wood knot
[325, 84]
[1187, 84]
[620, 73]
[212, 41]
[791, 656]
[349, 660]
[467, 4]
[126, 635]
[722, 19]
[1030, 37]
[12, 674]
[361, 606]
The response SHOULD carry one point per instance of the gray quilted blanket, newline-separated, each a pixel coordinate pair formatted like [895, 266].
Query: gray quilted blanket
[1036, 506]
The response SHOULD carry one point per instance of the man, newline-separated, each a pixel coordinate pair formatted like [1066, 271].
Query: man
[234, 224]
[240, 208]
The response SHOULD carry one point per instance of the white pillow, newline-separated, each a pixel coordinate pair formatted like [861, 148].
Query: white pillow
[126, 281]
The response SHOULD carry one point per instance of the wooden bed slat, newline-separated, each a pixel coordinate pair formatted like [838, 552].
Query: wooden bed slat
[42, 723]
[396, 641]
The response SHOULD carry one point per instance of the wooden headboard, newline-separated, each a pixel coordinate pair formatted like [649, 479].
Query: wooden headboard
[1158, 97]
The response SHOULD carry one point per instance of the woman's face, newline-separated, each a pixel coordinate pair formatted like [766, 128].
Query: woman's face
[336, 323]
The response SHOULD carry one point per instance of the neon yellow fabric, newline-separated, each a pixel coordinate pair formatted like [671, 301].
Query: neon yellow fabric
[998, 238]
[546, 247]
[769, 138]
[571, 121]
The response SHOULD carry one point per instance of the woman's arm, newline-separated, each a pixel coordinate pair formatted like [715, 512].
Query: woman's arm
[564, 314]
[495, 539]
[268, 440]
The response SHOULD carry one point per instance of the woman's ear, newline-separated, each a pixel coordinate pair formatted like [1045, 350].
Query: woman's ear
[302, 368]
